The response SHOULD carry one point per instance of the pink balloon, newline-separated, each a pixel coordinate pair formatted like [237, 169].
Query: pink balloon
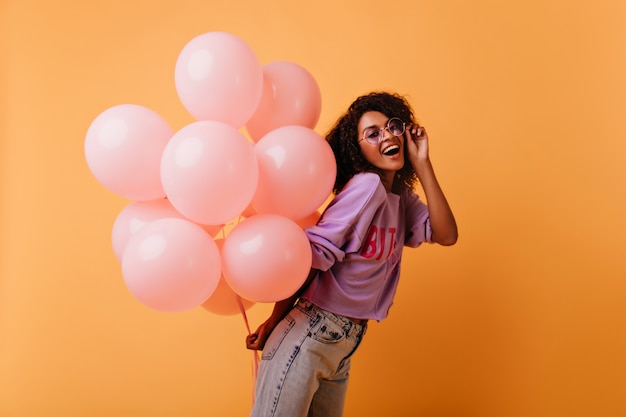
[139, 213]
[218, 77]
[224, 301]
[209, 172]
[266, 258]
[291, 96]
[123, 148]
[171, 265]
[296, 172]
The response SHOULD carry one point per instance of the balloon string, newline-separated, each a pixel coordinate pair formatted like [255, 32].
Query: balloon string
[255, 356]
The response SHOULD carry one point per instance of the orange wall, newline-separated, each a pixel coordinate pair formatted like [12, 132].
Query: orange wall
[525, 105]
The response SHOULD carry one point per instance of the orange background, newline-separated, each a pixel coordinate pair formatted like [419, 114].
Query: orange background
[525, 104]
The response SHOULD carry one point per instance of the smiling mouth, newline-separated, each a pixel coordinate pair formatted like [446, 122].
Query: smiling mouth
[391, 150]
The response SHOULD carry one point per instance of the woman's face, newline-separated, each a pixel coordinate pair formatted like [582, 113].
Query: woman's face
[386, 155]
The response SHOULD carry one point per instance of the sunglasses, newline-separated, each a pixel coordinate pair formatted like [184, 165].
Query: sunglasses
[374, 135]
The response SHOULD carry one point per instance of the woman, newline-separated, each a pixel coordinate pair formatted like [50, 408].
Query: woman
[357, 247]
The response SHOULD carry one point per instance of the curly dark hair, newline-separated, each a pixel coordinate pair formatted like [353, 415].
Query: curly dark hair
[343, 138]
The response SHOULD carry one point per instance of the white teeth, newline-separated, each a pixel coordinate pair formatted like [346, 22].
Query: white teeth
[390, 148]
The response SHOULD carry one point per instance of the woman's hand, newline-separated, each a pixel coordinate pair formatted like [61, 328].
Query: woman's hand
[416, 143]
[441, 218]
[256, 340]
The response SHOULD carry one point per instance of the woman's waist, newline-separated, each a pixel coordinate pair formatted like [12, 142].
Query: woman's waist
[306, 304]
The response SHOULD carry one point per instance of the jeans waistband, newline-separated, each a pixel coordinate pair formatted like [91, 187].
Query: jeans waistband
[349, 326]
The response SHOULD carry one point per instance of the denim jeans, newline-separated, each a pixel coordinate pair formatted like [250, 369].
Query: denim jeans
[305, 364]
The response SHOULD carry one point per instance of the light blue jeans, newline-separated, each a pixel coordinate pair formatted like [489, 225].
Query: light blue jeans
[305, 364]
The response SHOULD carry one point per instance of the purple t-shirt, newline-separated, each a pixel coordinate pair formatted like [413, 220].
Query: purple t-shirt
[357, 246]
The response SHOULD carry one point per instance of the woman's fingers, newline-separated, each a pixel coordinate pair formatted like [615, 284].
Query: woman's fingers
[251, 341]
[416, 130]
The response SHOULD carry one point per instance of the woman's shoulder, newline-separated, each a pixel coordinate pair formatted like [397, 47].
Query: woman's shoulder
[362, 195]
[365, 180]
[363, 187]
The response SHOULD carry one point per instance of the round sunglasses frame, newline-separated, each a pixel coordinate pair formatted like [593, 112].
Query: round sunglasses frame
[381, 132]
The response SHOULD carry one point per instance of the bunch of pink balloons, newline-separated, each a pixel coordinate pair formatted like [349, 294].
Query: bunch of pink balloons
[186, 185]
